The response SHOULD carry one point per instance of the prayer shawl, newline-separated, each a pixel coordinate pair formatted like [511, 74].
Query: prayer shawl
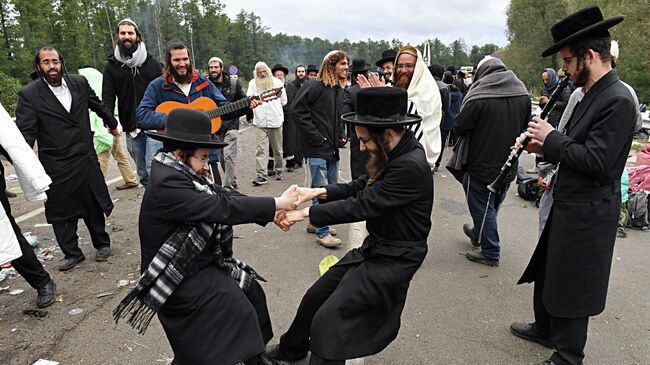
[547, 200]
[494, 80]
[31, 175]
[169, 266]
[424, 100]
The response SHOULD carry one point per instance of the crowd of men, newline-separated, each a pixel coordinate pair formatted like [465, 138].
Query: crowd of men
[302, 126]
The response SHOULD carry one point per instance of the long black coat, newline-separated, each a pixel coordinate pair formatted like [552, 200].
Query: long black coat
[575, 250]
[362, 316]
[65, 146]
[289, 134]
[208, 319]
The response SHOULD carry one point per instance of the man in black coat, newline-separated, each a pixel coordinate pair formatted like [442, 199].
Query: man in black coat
[127, 74]
[289, 139]
[301, 77]
[491, 124]
[232, 90]
[53, 111]
[571, 264]
[354, 309]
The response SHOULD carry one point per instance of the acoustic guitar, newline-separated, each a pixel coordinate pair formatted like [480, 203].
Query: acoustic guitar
[210, 108]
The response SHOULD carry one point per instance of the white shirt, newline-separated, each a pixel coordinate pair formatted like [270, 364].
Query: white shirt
[185, 88]
[62, 93]
[269, 114]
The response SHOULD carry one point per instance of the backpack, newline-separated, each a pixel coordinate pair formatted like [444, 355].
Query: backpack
[637, 210]
[530, 190]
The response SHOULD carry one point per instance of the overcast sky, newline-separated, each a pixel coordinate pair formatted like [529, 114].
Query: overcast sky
[411, 21]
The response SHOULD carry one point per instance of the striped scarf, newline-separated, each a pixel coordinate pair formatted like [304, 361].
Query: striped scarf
[171, 263]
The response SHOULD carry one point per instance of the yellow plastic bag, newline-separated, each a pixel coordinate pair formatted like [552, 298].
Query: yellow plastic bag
[326, 263]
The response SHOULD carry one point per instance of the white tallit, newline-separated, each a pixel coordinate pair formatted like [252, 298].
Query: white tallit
[31, 176]
[423, 92]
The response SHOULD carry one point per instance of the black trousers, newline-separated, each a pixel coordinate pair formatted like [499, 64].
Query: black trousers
[443, 135]
[295, 342]
[66, 232]
[27, 265]
[568, 335]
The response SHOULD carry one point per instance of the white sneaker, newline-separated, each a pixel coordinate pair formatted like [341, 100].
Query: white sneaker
[329, 241]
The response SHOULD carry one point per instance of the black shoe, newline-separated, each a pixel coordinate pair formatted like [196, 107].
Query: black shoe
[529, 332]
[102, 254]
[289, 168]
[260, 180]
[271, 173]
[468, 229]
[46, 294]
[273, 353]
[477, 256]
[70, 263]
[10, 194]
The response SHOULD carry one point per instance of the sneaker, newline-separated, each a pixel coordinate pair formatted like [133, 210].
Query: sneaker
[312, 229]
[468, 229]
[533, 170]
[620, 232]
[328, 241]
[271, 173]
[477, 256]
[278, 175]
[260, 180]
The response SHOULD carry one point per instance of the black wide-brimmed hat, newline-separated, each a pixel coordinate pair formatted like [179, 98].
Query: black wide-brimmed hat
[187, 128]
[312, 68]
[387, 55]
[382, 107]
[278, 66]
[586, 23]
[359, 65]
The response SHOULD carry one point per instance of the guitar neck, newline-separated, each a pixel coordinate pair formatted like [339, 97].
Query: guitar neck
[230, 107]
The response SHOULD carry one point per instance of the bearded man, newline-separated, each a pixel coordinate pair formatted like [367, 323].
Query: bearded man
[317, 110]
[127, 74]
[354, 309]
[301, 77]
[268, 121]
[179, 82]
[386, 65]
[572, 261]
[53, 111]
[424, 99]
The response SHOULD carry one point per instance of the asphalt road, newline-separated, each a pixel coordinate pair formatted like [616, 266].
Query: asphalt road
[458, 312]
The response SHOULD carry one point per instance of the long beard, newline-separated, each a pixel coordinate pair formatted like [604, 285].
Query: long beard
[582, 75]
[263, 84]
[127, 52]
[403, 80]
[53, 80]
[182, 79]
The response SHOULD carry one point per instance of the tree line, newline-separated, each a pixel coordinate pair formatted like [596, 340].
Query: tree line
[84, 30]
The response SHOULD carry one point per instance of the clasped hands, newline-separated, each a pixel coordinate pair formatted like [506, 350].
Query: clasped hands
[286, 206]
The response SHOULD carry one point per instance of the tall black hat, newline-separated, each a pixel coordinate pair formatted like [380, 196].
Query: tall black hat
[278, 66]
[359, 65]
[585, 23]
[187, 128]
[382, 107]
[387, 55]
[312, 68]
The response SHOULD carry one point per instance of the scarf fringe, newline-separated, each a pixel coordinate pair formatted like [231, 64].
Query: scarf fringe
[138, 312]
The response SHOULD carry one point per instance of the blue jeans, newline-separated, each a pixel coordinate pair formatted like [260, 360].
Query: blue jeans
[142, 149]
[322, 172]
[484, 207]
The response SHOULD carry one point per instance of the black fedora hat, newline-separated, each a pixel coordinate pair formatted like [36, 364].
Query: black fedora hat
[278, 66]
[312, 68]
[585, 23]
[187, 128]
[381, 107]
[359, 65]
[387, 55]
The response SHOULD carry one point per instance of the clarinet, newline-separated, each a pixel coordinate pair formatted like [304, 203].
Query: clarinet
[514, 155]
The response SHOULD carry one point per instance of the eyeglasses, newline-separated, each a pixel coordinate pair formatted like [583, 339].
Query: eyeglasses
[405, 65]
[204, 160]
[365, 140]
[53, 62]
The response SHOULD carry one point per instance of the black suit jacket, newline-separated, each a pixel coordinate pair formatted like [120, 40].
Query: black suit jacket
[65, 145]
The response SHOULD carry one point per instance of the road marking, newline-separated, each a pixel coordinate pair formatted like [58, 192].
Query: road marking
[40, 210]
